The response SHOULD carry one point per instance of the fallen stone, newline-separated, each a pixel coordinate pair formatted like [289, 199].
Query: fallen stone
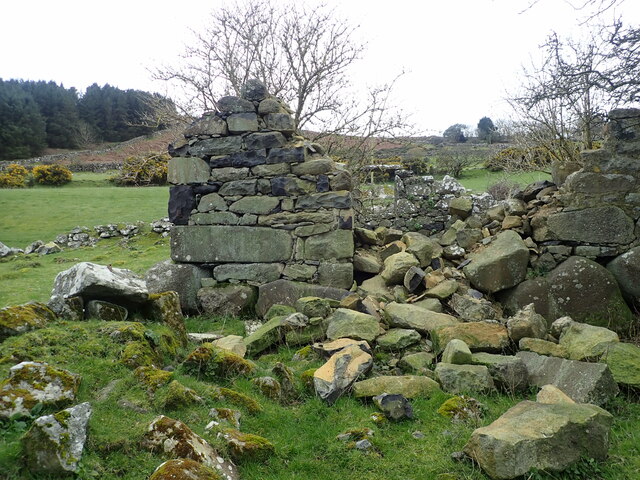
[328, 349]
[543, 347]
[414, 279]
[552, 394]
[287, 292]
[54, 443]
[626, 270]
[508, 372]
[405, 315]
[410, 386]
[351, 324]
[417, 363]
[105, 311]
[396, 339]
[464, 378]
[583, 382]
[422, 247]
[527, 323]
[18, 319]
[456, 352]
[479, 336]
[184, 468]
[232, 343]
[337, 375]
[366, 261]
[394, 406]
[534, 435]
[586, 342]
[396, 266]
[472, 309]
[184, 278]
[623, 359]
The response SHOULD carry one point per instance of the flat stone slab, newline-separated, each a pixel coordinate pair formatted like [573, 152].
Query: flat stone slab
[583, 382]
[234, 244]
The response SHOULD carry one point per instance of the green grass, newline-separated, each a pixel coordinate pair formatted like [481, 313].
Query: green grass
[304, 434]
[26, 278]
[41, 213]
[479, 179]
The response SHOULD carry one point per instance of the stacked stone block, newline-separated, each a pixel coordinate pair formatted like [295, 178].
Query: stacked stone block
[254, 201]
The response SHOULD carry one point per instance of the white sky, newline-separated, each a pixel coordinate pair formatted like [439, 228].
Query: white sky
[461, 56]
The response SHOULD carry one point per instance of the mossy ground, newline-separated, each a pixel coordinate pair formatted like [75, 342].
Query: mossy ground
[303, 434]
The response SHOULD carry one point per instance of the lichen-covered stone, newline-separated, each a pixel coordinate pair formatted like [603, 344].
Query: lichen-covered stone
[247, 446]
[464, 378]
[586, 342]
[105, 311]
[185, 279]
[227, 299]
[165, 308]
[405, 315]
[138, 354]
[185, 171]
[18, 319]
[212, 362]
[184, 468]
[152, 377]
[268, 386]
[340, 372]
[410, 386]
[479, 336]
[396, 339]
[351, 324]
[30, 383]
[176, 395]
[623, 360]
[54, 443]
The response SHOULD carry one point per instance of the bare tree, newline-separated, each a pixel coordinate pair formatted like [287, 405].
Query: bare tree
[563, 101]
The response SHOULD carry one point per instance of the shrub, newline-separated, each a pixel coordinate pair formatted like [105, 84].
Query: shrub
[51, 175]
[517, 158]
[150, 169]
[14, 176]
[503, 189]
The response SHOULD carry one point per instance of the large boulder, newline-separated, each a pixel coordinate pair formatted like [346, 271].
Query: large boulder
[30, 383]
[508, 372]
[547, 437]
[98, 282]
[184, 468]
[583, 382]
[176, 440]
[54, 443]
[183, 278]
[340, 372]
[287, 292]
[626, 270]
[599, 225]
[501, 265]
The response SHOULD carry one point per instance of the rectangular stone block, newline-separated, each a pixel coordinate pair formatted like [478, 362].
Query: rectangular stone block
[216, 146]
[260, 140]
[186, 171]
[333, 245]
[249, 159]
[280, 121]
[325, 200]
[235, 244]
[286, 155]
[252, 272]
[242, 122]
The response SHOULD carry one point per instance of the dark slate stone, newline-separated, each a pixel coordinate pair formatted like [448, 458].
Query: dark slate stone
[280, 121]
[249, 159]
[235, 105]
[254, 90]
[322, 184]
[530, 192]
[220, 162]
[279, 186]
[182, 199]
[256, 141]
[325, 200]
[216, 146]
[345, 223]
[207, 189]
[178, 150]
[394, 406]
[286, 155]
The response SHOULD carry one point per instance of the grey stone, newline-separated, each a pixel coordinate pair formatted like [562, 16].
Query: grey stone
[212, 201]
[294, 218]
[185, 171]
[501, 265]
[334, 274]
[527, 323]
[410, 316]
[258, 205]
[337, 375]
[422, 247]
[270, 105]
[299, 272]
[54, 444]
[216, 146]
[254, 90]
[256, 141]
[287, 155]
[341, 181]
[341, 199]
[208, 124]
[535, 435]
[282, 122]
[413, 279]
[626, 270]
[602, 225]
[398, 339]
[366, 261]
[316, 166]
[286, 186]
[623, 360]
[479, 336]
[287, 292]
[242, 122]
[508, 372]
[214, 218]
[106, 311]
[212, 244]
[239, 187]
[586, 342]
[464, 378]
[394, 406]
[333, 245]
[271, 170]
[248, 159]
[396, 267]
[232, 104]
[456, 352]
[253, 272]
[183, 278]
[472, 309]
[418, 363]
[223, 300]
[583, 382]
[344, 323]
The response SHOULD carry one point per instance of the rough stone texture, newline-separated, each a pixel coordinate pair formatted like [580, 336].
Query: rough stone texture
[396, 266]
[175, 439]
[30, 383]
[552, 394]
[182, 199]
[472, 309]
[226, 299]
[583, 382]
[287, 292]
[230, 244]
[333, 245]
[527, 323]
[105, 311]
[366, 261]
[586, 342]
[184, 468]
[543, 347]
[547, 437]
[54, 443]
[185, 279]
[501, 265]
[187, 171]
[626, 270]
[600, 225]
[422, 247]
[404, 315]
[18, 319]
[508, 372]
[464, 378]
[252, 272]
[410, 386]
[339, 275]
[337, 375]
[623, 360]
[456, 352]
[479, 336]
[398, 339]
[344, 323]
[98, 282]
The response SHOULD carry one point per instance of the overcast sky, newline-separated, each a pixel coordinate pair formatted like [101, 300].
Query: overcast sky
[461, 56]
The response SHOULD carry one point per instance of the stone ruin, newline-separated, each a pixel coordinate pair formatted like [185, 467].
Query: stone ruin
[253, 201]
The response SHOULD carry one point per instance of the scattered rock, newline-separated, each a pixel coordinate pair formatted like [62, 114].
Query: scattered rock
[526, 323]
[479, 336]
[344, 323]
[184, 468]
[410, 386]
[456, 352]
[464, 378]
[394, 406]
[18, 319]
[340, 372]
[586, 342]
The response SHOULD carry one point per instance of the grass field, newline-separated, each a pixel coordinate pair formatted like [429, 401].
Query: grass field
[41, 213]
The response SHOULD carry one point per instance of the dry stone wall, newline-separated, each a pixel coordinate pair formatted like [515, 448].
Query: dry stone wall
[254, 201]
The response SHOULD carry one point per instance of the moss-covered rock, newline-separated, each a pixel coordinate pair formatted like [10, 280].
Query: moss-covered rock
[278, 310]
[107, 311]
[153, 378]
[18, 319]
[210, 361]
[461, 408]
[30, 383]
[176, 395]
[224, 418]
[307, 379]
[165, 308]
[184, 469]
[623, 360]
[246, 446]
[313, 306]
[239, 399]
[137, 354]
[268, 386]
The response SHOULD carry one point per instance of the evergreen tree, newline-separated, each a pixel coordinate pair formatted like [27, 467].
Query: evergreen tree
[22, 127]
[486, 129]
